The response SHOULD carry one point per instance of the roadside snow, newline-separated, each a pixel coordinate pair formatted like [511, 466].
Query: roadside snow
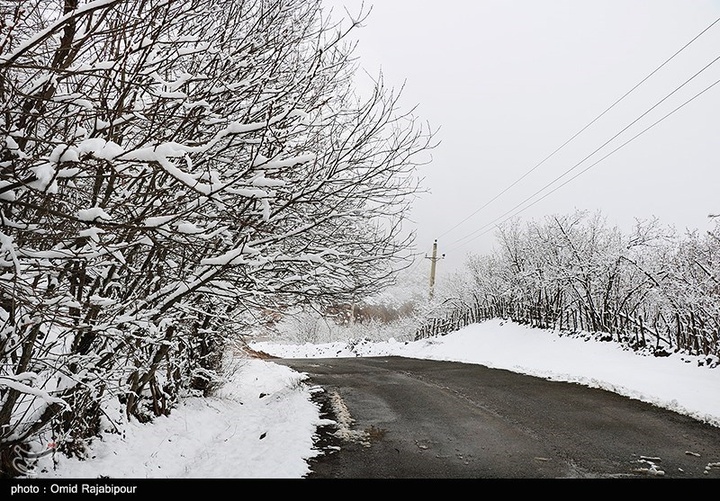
[677, 382]
[263, 422]
[259, 425]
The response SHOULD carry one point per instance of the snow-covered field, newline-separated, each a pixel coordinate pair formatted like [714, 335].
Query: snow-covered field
[262, 423]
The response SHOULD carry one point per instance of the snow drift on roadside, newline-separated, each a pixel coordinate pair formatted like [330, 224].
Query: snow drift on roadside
[261, 424]
[677, 382]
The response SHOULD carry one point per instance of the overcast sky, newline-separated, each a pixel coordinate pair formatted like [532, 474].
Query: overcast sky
[508, 82]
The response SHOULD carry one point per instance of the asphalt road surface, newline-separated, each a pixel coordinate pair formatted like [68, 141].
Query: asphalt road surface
[407, 418]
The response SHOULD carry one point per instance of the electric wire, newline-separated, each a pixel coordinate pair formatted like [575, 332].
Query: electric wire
[583, 129]
[492, 225]
[703, 69]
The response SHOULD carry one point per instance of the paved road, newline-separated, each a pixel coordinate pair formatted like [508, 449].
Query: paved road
[428, 419]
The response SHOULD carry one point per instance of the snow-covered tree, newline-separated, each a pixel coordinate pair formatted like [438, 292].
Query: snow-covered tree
[170, 169]
[649, 288]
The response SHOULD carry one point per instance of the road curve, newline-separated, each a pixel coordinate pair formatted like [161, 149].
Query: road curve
[408, 418]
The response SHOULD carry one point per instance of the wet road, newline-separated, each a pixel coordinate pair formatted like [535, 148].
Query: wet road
[407, 418]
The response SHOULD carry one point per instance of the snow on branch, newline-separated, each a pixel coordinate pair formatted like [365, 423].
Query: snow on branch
[15, 383]
[54, 27]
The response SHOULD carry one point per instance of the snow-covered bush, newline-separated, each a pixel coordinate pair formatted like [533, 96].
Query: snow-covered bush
[651, 289]
[312, 326]
[168, 170]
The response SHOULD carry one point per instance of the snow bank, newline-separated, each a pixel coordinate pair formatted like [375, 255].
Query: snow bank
[261, 424]
[677, 382]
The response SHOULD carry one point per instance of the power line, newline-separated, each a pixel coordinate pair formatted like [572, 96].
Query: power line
[558, 149]
[490, 226]
[602, 146]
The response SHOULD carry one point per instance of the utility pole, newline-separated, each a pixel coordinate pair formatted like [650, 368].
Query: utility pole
[433, 263]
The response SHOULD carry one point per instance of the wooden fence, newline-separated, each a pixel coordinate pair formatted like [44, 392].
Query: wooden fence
[682, 332]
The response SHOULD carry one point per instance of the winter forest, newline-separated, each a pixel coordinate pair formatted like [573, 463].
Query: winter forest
[176, 175]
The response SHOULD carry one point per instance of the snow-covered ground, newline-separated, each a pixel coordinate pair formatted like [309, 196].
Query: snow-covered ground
[262, 423]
